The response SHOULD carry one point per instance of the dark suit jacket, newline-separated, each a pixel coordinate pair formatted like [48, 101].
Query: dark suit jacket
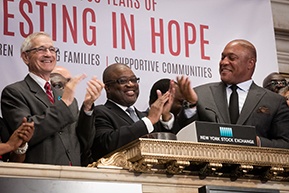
[4, 137]
[265, 110]
[114, 128]
[55, 140]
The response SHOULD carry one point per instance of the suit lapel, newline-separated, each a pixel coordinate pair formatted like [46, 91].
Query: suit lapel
[139, 114]
[220, 98]
[254, 96]
[38, 92]
[120, 113]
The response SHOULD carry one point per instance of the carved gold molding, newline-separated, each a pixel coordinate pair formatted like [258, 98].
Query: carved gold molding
[203, 159]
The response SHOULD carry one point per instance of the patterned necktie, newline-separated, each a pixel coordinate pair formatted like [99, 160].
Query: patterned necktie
[49, 92]
[234, 104]
[132, 114]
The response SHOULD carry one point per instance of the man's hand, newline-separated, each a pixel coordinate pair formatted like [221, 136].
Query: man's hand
[166, 114]
[187, 91]
[21, 135]
[93, 91]
[27, 130]
[69, 89]
[156, 109]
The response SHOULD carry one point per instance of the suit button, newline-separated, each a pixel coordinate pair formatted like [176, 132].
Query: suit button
[60, 132]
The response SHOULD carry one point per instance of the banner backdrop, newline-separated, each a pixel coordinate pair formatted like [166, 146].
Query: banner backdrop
[155, 38]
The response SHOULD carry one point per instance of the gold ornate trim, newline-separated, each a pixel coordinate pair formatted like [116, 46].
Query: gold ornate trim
[203, 159]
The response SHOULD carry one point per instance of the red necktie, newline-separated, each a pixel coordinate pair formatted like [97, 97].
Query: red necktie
[49, 92]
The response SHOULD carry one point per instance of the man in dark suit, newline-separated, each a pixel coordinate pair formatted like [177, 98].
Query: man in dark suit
[114, 127]
[59, 125]
[259, 107]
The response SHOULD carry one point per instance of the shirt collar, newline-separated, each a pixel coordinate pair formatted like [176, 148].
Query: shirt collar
[40, 81]
[121, 106]
[245, 86]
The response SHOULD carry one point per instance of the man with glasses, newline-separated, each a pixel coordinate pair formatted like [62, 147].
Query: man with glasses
[274, 82]
[59, 124]
[115, 124]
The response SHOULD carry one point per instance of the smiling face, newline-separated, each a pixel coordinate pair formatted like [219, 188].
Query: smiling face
[40, 63]
[237, 63]
[123, 94]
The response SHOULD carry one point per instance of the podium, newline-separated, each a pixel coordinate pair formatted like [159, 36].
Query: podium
[170, 166]
[200, 159]
[210, 132]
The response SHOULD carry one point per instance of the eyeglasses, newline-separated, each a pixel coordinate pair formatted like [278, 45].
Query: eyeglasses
[278, 82]
[58, 85]
[43, 50]
[124, 80]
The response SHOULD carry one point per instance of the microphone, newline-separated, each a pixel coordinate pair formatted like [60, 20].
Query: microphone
[216, 116]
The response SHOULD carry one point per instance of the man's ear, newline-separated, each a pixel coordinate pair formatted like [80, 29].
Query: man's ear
[25, 57]
[107, 88]
[252, 63]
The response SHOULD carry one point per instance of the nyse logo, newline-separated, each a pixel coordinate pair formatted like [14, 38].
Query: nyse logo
[226, 131]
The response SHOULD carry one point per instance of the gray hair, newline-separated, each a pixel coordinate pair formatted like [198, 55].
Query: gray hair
[26, 45]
